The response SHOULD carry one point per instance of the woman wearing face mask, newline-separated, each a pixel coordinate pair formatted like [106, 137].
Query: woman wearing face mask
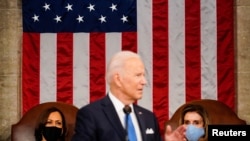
[196, 120]
[51, 126]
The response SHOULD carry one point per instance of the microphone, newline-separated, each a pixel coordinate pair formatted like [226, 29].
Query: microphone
[127, 109]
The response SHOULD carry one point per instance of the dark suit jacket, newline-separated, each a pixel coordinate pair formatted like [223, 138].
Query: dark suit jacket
[99, 121]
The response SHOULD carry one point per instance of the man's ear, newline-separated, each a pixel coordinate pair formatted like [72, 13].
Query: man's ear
[117, 79]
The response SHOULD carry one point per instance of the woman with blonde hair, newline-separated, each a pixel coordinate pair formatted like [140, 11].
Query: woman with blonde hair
[195, 118]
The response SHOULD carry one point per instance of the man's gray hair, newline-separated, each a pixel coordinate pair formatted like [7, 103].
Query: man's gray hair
[116, 63]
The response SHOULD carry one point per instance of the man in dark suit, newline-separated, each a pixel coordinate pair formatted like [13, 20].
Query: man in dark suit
[104, 120]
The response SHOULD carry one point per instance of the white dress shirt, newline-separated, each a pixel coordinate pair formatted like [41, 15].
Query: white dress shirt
[119, 109]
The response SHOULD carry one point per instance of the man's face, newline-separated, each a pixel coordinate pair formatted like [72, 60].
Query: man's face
[133, 79]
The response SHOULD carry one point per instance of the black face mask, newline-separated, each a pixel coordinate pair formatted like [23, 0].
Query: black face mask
[52, 133]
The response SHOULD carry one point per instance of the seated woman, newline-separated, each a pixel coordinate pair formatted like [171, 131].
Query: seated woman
[51, 126]
[195, 118]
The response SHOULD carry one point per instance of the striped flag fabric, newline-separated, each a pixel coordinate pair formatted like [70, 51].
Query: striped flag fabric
[187, 47]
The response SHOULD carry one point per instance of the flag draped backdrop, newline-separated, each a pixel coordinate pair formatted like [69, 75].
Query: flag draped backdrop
[187, 47]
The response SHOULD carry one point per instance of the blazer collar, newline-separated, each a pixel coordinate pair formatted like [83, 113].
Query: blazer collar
[141, 121]
[110, 112]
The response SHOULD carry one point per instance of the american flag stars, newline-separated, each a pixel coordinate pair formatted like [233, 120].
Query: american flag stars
[69, 7]
[35, 18]
[46, 6]
[90, 7]
[58, 18]
[102, 19]
[79, 16]
[113, 7]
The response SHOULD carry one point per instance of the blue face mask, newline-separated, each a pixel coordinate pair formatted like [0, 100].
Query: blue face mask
[193, 133]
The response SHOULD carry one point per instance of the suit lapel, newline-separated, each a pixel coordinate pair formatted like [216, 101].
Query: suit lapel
[141, 121]
[109, 110]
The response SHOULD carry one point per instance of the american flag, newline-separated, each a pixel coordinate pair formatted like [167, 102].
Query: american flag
[187, 47]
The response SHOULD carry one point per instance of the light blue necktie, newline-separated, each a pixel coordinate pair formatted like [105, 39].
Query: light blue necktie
[129, 124]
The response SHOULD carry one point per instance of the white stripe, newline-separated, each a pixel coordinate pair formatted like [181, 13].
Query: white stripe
[144, 32]
[208, 49]
[176, 55]
[113, 45]
[81, 69]
[48, 59]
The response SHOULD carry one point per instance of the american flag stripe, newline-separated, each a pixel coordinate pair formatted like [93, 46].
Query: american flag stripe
[97, 66]
[47, 71]
[225, 52]
[64, 69]
[186, 45]
[30, 70]
[176, 54]
[192, 49]
[81, 73]
[208, 50]
[160, 63]
[145, 48]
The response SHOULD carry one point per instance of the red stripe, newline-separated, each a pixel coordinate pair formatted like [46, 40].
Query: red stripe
[225, 54]
[160, 62]
[192, 50]
[65, 67]
[30, 70]
[129, 41]
[97, 66]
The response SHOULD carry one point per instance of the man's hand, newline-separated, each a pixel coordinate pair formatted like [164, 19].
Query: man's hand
[176, 135]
